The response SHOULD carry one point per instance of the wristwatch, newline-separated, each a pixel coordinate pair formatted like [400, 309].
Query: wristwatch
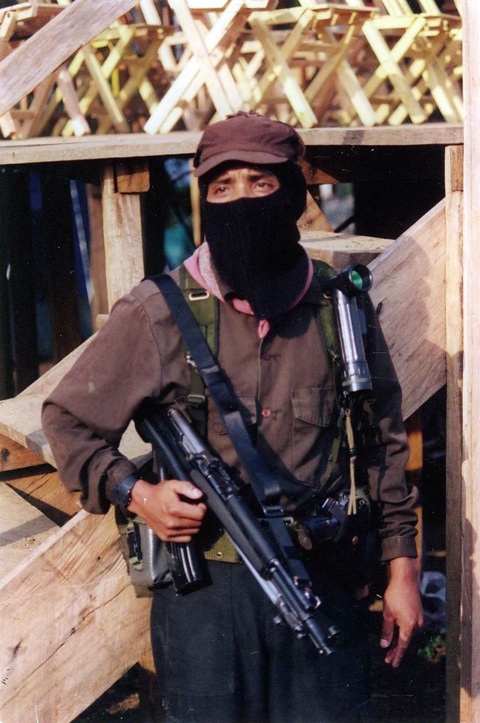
[122, 493]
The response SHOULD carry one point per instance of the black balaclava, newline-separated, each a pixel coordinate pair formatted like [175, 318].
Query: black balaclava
[254, 245]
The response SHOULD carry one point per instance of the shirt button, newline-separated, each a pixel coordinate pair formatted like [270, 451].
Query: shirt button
[266, 412]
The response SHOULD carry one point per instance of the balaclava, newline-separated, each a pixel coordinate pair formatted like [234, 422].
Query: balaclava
[254, 245]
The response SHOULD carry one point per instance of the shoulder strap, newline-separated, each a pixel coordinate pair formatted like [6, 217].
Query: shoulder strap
[264, 484]
[204, 307]
[324, 272]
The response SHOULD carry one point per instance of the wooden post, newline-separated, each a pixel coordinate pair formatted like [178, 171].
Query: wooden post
[122, 226]
[454, 346]
[470, 612]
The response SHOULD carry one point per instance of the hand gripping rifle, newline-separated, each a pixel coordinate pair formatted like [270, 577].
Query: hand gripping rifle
[184, 454]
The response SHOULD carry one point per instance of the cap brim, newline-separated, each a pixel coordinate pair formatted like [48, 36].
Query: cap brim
[251, 157]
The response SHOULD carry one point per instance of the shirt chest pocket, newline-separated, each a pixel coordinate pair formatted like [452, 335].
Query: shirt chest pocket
[314, 405]
[313, 413]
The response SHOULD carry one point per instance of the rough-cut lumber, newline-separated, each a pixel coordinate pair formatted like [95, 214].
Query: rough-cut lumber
[22, 529]
[42, 489]
[409, 291]
[14, 455]
[38, 57]
[80, 626]
[454, 353]
[122, 232]
[184, 143]
[341, 249]
[469, 474]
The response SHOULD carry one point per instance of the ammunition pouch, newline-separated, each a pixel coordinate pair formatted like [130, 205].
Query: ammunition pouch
[334, 541]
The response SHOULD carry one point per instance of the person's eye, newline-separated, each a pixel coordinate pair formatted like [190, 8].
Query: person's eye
[265, 186]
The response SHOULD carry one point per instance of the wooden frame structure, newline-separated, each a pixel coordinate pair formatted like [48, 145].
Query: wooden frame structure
[323, 62]
[78, 562]
[409, 271]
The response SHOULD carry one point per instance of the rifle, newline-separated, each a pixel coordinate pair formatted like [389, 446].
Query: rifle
[180, 450]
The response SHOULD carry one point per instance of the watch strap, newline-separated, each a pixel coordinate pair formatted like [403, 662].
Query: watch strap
[122, 493]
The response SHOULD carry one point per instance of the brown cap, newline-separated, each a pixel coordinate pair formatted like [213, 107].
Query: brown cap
[248, 137]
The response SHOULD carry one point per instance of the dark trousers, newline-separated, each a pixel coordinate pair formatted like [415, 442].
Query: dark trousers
[221, 658]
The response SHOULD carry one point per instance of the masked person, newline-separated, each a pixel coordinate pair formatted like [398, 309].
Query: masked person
[219, 654]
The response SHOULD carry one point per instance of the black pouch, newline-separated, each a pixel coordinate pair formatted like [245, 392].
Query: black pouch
[334, 541]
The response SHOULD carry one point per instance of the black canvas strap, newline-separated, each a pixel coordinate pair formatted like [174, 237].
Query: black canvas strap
[265, 485]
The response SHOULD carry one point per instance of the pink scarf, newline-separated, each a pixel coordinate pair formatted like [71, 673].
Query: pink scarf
[199, 265]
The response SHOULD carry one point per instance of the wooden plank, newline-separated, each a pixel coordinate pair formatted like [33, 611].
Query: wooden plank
[470, 469]
[22, 529]
[122, 230]
[454, 497]
[339, 250]
[99, 301]
[409, 292]
[132, 177]
[201, 52]
[184, 143]
[38, 57]
[41, 488]
[15, 456]
[313, 218]
[172, 102]
[80, 628]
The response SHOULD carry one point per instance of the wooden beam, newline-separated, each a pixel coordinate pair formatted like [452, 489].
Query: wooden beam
[470, 469]
[339, 249]
[22, 529]
[15, 456]
[52, 45]
[313, 219]
[184, 143]
[454, 495]
[409, 293]
[122, 230]
[42, 489]
[79, 613]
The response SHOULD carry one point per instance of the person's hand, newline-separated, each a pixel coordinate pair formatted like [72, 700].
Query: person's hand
[402, 609]
[171, 508]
